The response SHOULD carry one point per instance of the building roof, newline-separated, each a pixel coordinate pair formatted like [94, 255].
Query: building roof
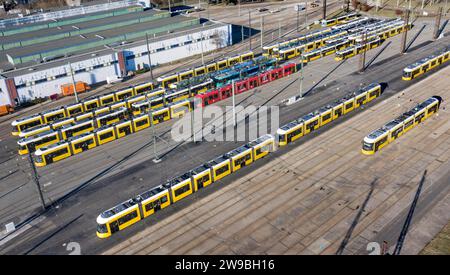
[75, 44]
[99, 51]
[72, 29]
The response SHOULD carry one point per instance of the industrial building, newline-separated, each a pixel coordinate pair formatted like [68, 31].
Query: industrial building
[38, 56]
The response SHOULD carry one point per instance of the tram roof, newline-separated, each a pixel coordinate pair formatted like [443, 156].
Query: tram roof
[150, 193]
[118, 208]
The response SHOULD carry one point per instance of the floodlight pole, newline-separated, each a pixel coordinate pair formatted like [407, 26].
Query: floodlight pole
[149, 58]
[36, 180]
[72, 74]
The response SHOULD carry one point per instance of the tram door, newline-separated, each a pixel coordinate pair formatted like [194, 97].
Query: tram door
[114, 226]
[157, 205]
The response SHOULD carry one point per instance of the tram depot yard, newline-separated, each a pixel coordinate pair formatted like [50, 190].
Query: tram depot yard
[318, 184]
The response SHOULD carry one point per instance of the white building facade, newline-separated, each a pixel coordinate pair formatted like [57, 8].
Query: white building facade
[45, 79]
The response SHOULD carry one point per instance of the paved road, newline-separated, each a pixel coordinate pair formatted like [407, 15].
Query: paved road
[138, 174]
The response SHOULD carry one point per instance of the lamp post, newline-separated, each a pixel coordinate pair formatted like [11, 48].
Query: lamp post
[72, 74]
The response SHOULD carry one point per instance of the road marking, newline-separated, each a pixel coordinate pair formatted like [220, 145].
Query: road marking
[47, 184]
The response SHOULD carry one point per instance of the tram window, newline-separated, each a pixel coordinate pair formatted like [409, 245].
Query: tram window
[143, 109]
[29, 125]
[367, 146]
[75, 111]
[92, 106]
[101, 228]
[58, 153]
[45, 140]
[294, 133]
[361, 100]
[349, 105]
[182, 190]
[122, 96]
[106, 135]
[84, 144]
[432, 109]
[150, 206]
[127, 217]
[381, 142]
[409, 123]
[124, 130]
[201, 71]
[55, 117]
[312, 124]
[203, 179]
[71, 132]
[419, 117]
[141, 123]
[105, 120]
[396, 132]
[186, 76]
[326, 117]
[222, 170]
[160, 116]
[172, 80]
[239, 161]
[163, 199]
[108, 100]
[433, 62]
[84, 127]
[373, 93]
[158, 102]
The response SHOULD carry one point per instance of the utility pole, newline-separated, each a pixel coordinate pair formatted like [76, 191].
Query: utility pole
[298, 15]
[242, 33]
[437, 24]
[72, 74]
[192, 121]
[362, 58]
[156, 159]
[306, 15]
[403, 43]
[170, 9]
[234, 102]
[262, 30]
[279, 29]
[201, 44]
[301, 76]
[239, 8]
[149, 58]
[250, 29]
[324, 9]
[36, 180]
